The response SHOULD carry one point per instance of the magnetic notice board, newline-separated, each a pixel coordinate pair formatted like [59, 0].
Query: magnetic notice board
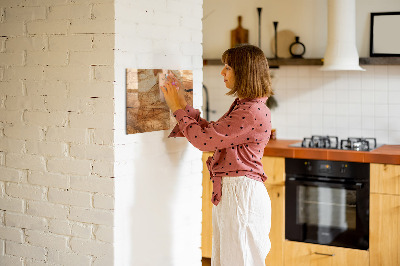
[385, 34]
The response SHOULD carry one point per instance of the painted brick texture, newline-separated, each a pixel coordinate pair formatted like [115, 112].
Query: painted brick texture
[62, 135]
[157, 180]
[56, 132]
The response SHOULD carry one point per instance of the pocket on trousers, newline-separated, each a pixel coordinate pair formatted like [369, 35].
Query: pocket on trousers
[260, 204]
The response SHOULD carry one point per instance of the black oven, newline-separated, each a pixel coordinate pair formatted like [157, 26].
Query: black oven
[327, 202]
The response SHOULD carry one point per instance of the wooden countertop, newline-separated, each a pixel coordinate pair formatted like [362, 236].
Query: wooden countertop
[389, 154]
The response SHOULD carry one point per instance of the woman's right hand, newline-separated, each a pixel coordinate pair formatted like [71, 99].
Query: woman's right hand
[181, 95]
[174, 98]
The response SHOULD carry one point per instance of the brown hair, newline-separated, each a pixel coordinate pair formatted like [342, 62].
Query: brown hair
[250, 66]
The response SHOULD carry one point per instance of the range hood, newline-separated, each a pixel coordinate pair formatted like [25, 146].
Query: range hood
[341, 51]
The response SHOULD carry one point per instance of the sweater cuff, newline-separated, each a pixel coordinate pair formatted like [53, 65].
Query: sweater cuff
[176, 132]
[191, 111]
[180, 114]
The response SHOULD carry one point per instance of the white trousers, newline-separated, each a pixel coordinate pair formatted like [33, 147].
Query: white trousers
[241, 223]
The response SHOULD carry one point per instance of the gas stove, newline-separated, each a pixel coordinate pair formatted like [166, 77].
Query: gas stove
[332, 142]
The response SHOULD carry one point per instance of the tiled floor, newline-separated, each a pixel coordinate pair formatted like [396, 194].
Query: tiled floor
[206, 261]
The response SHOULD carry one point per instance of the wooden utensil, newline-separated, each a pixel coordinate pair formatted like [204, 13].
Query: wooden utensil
[239, 35]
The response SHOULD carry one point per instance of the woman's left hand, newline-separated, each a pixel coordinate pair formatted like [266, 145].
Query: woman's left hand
[171, 95]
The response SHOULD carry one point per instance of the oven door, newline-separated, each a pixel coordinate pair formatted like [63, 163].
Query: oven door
[327, 213]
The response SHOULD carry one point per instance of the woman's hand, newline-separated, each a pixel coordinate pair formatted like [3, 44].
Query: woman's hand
[173, 93]
[181, 96]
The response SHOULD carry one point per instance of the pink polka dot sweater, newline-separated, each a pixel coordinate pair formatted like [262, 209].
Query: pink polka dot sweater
[238, 139]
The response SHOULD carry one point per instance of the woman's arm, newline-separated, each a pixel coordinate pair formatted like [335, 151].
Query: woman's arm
[237, 128]
[193, 113]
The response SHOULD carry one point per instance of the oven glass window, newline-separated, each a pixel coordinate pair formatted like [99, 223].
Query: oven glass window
[326, 207]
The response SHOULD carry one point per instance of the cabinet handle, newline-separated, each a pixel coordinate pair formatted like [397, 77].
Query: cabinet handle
[324, 254]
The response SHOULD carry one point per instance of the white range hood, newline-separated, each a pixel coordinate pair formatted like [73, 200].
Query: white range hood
[341, 51]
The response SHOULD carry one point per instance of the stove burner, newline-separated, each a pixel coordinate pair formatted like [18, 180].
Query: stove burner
[332, 142]
[328, 142]
[358, 144]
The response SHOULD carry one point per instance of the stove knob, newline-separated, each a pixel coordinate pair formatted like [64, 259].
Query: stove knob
[343, 168]
[308, 166]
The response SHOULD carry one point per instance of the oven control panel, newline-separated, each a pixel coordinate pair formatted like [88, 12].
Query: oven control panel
[336, 169]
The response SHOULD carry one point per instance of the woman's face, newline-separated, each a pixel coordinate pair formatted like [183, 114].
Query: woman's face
[229, 76]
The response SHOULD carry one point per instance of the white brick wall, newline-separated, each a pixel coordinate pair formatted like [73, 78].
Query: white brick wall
[56, 132]
[61, 144]
[156, 177]
[25, 221]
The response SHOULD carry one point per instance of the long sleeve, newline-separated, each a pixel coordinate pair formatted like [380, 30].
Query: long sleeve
[231, 130]
[193, 113]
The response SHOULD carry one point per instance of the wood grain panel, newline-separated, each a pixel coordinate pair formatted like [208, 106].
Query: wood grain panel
[384, 236]
[206, 226]
[277, 233]
[305, 254]
[385, 178]
[274, 168]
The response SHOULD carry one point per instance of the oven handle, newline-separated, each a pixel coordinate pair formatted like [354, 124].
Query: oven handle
[357, 185]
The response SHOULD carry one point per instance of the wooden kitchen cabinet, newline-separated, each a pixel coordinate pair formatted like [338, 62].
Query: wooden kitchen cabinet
[274, 168]
[206, 225]
[385, 178]
[384, 236]
[305, 254]
[277, 233]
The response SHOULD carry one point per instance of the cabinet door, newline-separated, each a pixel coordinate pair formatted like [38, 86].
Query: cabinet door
[384, 230]
[304, 254]
[274, 168]
[206, 226]
[277, 233]
[385, 178]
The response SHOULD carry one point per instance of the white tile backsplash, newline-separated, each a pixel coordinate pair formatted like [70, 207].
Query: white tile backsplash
[394, 124]
[381, 110]
[354, 83]
[394, 97]
[394, 82]
[393, 110]
[382, 136]
[393, 71]
[292, 82]
[329, 109]
[381, 97]
[342, 123]
[367, 110]
[343, 103]
[367, 97]
[381, 71]
[381, 83]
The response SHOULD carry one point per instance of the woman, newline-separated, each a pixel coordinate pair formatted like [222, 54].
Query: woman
[242, 208]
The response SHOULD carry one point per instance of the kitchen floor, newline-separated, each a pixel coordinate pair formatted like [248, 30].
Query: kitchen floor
[206, 261]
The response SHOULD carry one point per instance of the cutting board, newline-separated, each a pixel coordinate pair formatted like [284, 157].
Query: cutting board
[239, 35]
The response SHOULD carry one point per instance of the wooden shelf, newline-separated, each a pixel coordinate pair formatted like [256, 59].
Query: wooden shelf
[274, 63]
[380, 61]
